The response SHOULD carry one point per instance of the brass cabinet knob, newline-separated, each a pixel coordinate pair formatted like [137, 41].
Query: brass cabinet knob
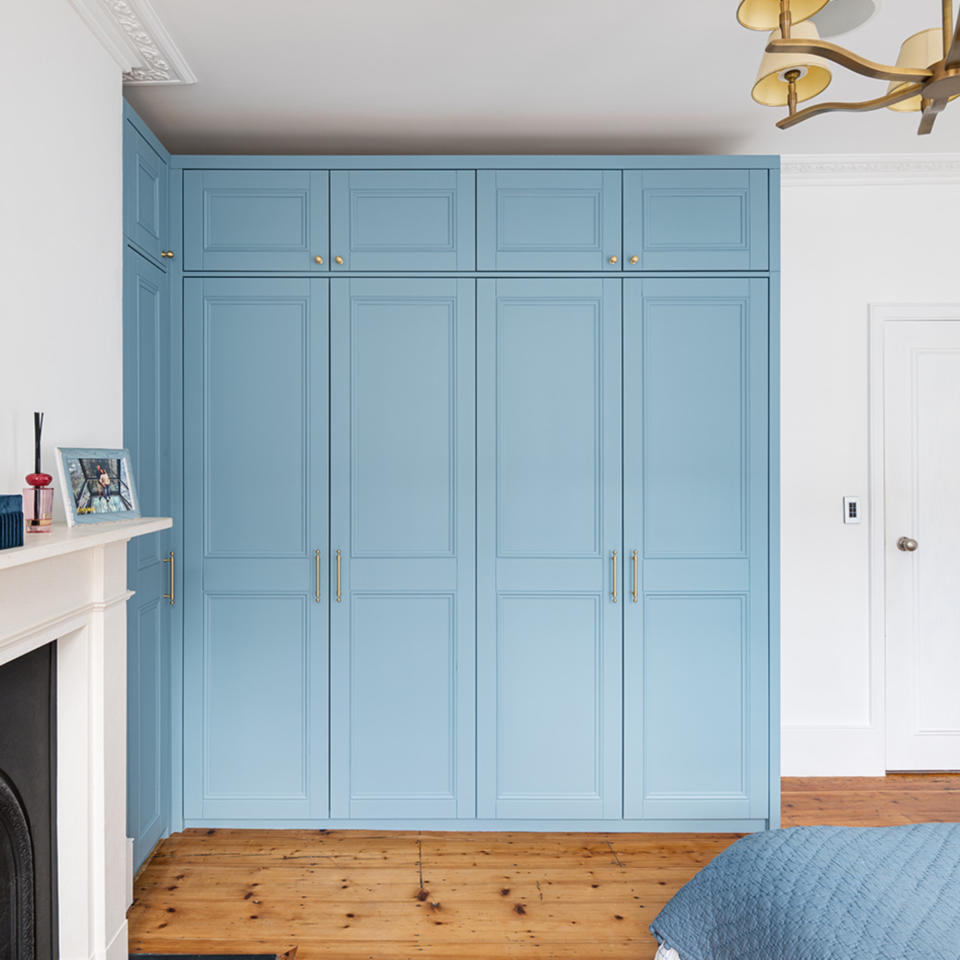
[318, 258]
[167, 253]
[614, 259]
[634, 259]
[338, 259]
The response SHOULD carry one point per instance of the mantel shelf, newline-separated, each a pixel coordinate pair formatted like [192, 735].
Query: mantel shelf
[63, 539]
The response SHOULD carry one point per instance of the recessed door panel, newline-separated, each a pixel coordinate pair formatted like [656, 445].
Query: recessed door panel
[144, 194]
[549, 502]
[402, 515]
[696, 219]
[402, 219]
[548, 220]
[255, 220]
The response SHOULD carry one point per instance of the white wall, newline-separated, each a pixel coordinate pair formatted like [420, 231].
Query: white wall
[60, 236]
[857, 234]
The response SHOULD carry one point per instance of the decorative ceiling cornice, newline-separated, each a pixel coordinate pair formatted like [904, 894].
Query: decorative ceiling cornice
[869, 169]
[134, 36]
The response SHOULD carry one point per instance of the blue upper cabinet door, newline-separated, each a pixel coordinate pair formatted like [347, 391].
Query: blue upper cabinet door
[548, 220]
[402, 220]
[402, 522]
[144, 194]
[146, 432]
[695, 219]
[255, 544]
[256, 220]
[696, 688]
[548, 523]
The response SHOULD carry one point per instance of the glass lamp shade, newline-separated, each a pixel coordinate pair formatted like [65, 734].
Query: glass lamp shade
[765, 14]
[771, 87]
[919, 51]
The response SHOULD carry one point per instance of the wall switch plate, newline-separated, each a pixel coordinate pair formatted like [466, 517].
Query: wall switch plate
[851, 509]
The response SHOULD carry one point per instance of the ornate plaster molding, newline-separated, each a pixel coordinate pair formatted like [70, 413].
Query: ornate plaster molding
[870, 169]
[134, 36]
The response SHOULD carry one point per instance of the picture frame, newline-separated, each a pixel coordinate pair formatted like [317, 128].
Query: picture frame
[97, 484]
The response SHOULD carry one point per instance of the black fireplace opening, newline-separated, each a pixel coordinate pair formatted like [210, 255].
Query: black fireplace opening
[28, 806]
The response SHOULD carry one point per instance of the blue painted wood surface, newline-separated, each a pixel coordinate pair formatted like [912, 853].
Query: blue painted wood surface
[548, 521]
[402, 515]
[144, 192]
[256, 512]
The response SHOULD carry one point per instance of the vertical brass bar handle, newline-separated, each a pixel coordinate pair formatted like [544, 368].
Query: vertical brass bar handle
[171, 596]
[317, 594]
[636, 582]
[614, 576]
[338, 577]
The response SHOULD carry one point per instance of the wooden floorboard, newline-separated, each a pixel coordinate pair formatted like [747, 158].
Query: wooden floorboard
[474, 896]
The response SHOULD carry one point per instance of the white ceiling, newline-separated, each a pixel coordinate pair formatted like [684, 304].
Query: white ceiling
[504, 76]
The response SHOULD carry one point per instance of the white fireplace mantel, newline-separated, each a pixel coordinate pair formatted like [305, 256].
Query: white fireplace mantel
[70, 587]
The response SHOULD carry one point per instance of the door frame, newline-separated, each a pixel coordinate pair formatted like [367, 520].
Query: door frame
[881, 314]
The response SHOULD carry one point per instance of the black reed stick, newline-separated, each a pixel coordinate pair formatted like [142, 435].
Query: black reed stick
[37, 430]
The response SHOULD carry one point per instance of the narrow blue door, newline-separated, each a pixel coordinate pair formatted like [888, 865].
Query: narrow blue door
[549, 523]
[402, 525]
[696, 497]
[144, 193]
[548, 220]
[255, 544]
[146, 424]
[402, 220]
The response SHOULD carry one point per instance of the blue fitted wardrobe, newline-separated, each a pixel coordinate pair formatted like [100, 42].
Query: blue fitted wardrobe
[473, 462]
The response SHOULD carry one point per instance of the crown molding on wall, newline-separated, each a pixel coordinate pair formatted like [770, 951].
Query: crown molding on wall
[851, 169]
[134, 36]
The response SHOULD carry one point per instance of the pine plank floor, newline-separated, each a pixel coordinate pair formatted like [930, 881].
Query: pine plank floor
[474, 896]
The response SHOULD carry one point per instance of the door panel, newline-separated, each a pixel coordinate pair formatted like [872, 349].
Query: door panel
[402, 514]
[146, 419]
[255, 220]
[696, 219]
[548, 219]
[921, 417]
[695, 495]
[403, 219]
[549, 633]
[144, 194]
[255, 625]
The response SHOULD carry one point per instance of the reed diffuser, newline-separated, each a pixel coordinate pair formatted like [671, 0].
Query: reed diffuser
[38, 497]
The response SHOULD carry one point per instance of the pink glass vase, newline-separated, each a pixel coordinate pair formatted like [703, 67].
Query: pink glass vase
[38, 509]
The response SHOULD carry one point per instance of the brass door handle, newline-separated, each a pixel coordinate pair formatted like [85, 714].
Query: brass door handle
[317, 592]
[339, 595]
[318, 258]
[167, 253]
[614, 259]
[636, 578]
[614, 576]
[171, 596]
[634, 260]
[338, 259]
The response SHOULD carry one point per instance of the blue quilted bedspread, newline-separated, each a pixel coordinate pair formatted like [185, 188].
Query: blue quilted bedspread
[823, 893]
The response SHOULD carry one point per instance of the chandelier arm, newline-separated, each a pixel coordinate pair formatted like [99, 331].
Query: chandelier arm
[931, 110]
[905, 93]
[953, 55]
[848, 59]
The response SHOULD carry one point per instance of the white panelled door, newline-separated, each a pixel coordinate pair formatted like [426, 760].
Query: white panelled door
[922, 543]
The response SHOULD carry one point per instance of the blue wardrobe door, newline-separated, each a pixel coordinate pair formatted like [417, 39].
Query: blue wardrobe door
[144, 194]
[402, 519]
[256, 220]
[402, 220]
[548, 521]
[256, 513]
[696, 219]
[695, 495]
[548, 220]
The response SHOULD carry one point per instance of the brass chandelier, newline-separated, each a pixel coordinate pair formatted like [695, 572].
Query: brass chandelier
[796, 66]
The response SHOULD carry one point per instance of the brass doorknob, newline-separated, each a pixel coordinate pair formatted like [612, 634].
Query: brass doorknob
[167, 253]
[634, 259]
[318, 258]
[907, 544]
[338, 259]
[614, 259]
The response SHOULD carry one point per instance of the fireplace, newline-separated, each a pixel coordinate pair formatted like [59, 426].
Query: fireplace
[28, 861]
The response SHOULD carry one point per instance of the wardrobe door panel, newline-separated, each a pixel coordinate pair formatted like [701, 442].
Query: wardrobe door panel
[549, 494]
[144, 194]
[255, 539]
[255, 220]
[548, 220]
[696, 219]
[402, 219]
[696, 500]
[402, 515]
